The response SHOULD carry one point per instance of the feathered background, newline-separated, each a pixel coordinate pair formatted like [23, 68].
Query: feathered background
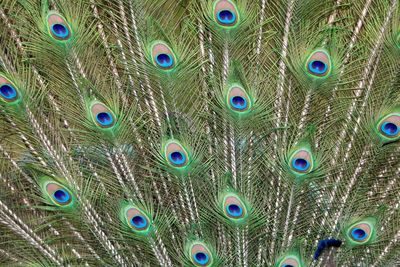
[199, 133]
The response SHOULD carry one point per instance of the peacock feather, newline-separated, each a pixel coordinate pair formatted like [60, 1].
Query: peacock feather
[199, 133]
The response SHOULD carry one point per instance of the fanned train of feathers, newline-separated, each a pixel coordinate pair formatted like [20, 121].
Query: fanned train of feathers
[200, 133]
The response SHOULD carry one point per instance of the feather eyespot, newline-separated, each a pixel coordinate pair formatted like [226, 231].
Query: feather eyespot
[290, 261]
[360, 232]
[234, 208]
[102, 116]
[319, 64]
[162, 56]
[301, 161]
[225, 13]
[8, 92]
[389, 126]
[175, 154]
[137, 220]
[58, 194]
[58, 27]
[200, 255]
[237, 99]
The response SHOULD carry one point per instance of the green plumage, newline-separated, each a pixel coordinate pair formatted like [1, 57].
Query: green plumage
[199, 133]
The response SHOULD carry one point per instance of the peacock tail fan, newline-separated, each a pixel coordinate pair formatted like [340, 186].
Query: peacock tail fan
[199, 133]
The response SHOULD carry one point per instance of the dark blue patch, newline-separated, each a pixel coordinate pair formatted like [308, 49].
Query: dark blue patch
[325, 243]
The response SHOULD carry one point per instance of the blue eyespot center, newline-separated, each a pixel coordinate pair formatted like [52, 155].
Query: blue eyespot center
[317, 67]
[300, 164]
[234, 210]
[164, 60]
[238, 102]
[139, 222]
[8, 92]
[287, 265]
[61, 196]
[201, 258]
[226, 17]
[390, 129]
[60, 30]
[104, 118]
[358, 234]
[177, 158]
